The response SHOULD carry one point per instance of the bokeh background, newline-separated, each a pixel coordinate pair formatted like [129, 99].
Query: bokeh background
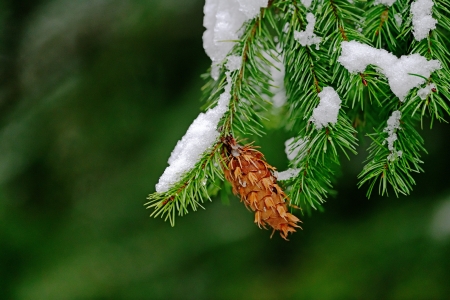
[94, 95]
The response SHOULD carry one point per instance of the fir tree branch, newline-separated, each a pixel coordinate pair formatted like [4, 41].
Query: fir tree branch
[248, 84]
[435, 46]
[382, 26]
[311, 42]
[307, 75]
[394, 168]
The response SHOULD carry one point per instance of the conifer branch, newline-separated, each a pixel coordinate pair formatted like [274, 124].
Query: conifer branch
[248, 83]
[350, 68]
[435, 46]
[308, 77]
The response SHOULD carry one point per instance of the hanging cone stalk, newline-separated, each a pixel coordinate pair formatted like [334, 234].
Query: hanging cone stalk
[253, 180]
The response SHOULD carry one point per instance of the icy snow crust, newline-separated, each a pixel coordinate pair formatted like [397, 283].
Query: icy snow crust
[355, 57]
[223, 21]
[422, 19]
[328, 109]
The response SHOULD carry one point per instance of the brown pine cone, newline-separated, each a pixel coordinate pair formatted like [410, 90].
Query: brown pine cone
[253, 180]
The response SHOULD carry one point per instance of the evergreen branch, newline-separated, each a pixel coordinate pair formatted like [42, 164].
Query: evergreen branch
[243, 115]
[435, 46]
[307, 74]
[316, 160]
[356, 88]
[393, 167]
[188, 193]
[382, 25]
[323, 46]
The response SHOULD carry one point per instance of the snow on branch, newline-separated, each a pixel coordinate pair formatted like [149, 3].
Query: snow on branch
[200, 136]
[328, 109]
[425, 91]
[276, 71]
[307, 36]
[385, 2]
[223, 22]
[401, 72]
[422, 18]
[295, 152]
[393, 124]
[287, 174]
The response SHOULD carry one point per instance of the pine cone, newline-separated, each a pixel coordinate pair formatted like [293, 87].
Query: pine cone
[253, 180]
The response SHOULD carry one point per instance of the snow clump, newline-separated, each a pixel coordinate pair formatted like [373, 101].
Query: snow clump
[424, 92]
[398, 19]
[306, 3]
[307, 37]
[355, 57]
[393, 124]
[287, 174]
[200, 136]
[234, 63]
[328, 109]
[385, 2]
[223, 22]
[422, 18]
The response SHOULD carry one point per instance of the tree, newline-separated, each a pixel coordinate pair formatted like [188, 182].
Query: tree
[376, 68]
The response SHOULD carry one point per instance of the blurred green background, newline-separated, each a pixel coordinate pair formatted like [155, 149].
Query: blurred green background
[94, 96]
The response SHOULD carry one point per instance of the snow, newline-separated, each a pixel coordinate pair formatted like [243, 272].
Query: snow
[276, 71]
[385, 2]
[398, 19]
[355, 57]
[288, 174]
[293, 148]
[359, 28]
[393, 124]
[306, 3]
[422, 19]
[307, 37]
[234, 63]
[251, 8]
[295, 151]
[200, 136]
[215, 71]
[424, 92]
[223, 22]
[328, 108]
